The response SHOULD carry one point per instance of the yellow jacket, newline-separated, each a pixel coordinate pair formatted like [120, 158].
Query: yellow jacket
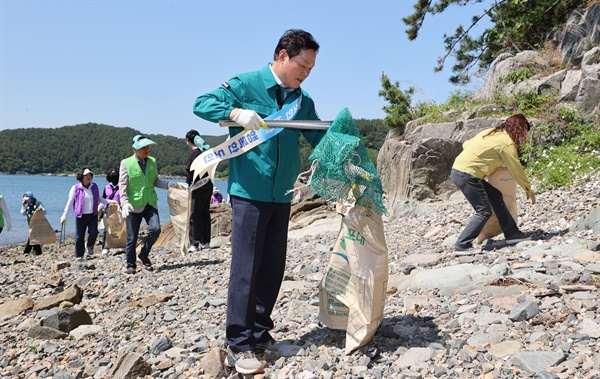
[484, 153]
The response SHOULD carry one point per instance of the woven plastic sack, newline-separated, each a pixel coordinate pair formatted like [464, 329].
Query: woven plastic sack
[115, 227]
[352, 292]
[342, 169]
[503, 181]
[179, 199]
[40, 230]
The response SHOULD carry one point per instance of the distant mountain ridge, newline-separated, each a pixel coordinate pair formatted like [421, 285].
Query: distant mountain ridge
[67, 149]
[101, 147]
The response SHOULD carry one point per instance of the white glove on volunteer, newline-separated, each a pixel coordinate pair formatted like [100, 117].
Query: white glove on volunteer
[249, 119]
[126, 209]
[63, 219]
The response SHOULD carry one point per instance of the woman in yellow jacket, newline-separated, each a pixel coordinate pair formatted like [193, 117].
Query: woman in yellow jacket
[481, 156]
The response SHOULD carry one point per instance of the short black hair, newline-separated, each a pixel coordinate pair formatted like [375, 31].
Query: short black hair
[294, 41]
[112, 174]
[191, 135]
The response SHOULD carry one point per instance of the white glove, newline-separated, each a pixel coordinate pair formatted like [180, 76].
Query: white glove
[249, 119]
[126, 209]
[63, 219]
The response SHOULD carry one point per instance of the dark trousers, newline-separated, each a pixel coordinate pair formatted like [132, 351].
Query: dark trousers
[258, 247]
[90, 222]
[134, 220]
[200, 217]
[483, 197]
[37, 249]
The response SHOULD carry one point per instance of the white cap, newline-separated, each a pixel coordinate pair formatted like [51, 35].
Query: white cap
[87, 171]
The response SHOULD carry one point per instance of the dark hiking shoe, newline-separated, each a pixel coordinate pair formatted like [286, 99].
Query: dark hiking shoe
[517, 237]
[146, 261]
[261, 347]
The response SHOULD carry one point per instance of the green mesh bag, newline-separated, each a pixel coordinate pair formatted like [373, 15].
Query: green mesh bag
[342, 169]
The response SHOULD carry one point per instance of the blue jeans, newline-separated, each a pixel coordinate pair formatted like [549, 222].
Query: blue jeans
[134, 220]
[90, 222]
[483, 197]
[258, 246]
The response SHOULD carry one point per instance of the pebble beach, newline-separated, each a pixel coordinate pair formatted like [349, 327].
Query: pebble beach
[523, 311]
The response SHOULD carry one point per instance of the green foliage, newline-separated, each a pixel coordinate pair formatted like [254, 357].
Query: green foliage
[517, 25]
[101, 147]
[400, 110]
[562, 150]
[527, 103]
[518, 75]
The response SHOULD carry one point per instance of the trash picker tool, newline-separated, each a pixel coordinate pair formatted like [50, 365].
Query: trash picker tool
[295, 124]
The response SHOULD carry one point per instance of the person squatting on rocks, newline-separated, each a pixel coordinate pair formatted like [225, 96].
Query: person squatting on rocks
[258, 183]
[84, 198]
[200, 205]
[138, 175]
[481, 156]
[4, 215]
[30, 205]
[110, 192]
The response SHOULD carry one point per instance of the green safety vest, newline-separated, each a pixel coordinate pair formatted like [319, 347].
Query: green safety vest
[1, 215]
[140, 186]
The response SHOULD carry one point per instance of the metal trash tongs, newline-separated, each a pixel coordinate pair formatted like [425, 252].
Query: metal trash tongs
[63, 233]
[300, 124]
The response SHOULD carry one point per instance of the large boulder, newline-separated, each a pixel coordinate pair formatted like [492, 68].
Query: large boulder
[416, 165]
[581, 31]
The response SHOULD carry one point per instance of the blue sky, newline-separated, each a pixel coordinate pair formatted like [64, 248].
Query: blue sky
[141, 64]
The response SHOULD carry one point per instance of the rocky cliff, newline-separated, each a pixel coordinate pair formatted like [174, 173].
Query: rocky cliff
[416, 165]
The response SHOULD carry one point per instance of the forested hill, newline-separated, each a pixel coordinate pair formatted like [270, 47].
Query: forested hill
[101, 147]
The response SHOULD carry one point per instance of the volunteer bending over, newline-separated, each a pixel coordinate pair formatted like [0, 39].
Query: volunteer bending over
[481, 156]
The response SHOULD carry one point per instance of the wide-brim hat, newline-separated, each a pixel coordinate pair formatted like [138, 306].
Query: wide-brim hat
[140, 141]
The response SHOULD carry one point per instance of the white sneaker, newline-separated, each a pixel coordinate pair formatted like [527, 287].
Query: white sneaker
[205, 246]
[105, 251]
[192, 249]
[244, 362]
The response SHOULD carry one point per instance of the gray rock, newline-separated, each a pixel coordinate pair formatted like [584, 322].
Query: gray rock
[535, 361]
[45, 333]
[524, 311]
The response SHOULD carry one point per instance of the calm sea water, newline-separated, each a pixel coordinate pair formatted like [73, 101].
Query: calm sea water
[53, 191]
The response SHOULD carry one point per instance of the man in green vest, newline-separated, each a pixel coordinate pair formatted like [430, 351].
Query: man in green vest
[138, 175]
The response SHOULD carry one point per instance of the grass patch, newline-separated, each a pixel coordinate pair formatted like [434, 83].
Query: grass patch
[562, 150]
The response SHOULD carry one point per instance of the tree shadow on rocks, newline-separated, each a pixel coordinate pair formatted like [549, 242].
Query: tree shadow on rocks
[190, 264]
[536, 235]
[394, 332]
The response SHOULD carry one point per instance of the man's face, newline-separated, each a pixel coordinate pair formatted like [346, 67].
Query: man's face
[295, 70]
[142, 153]
[26, 199]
